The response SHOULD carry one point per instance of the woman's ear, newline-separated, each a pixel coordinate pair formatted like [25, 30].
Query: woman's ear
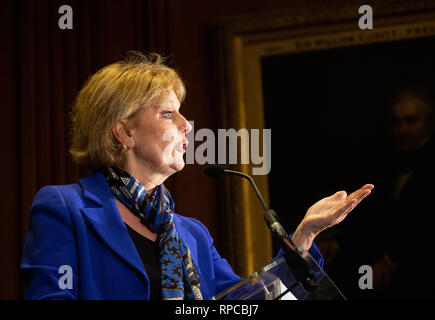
[123, 134]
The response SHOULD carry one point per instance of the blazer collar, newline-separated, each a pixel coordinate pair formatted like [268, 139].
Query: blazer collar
[104, 217]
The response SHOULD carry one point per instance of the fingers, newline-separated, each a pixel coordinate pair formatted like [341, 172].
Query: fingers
[357, 195]
[341, 204]
[353, 200]
[361, 193]
[347, 207]
[340, 195]
[352, 203]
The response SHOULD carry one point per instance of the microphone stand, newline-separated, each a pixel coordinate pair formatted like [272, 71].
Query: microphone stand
[292, 255]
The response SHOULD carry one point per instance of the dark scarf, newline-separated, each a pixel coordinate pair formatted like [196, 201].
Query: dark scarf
[179, 277]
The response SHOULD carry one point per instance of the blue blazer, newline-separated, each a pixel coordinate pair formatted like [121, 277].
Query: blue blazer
[79, 226]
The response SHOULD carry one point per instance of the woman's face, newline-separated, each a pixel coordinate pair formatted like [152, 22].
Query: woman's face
[159, 135]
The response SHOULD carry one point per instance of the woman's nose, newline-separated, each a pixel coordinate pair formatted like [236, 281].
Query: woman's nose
[188, 127]
[185, 126]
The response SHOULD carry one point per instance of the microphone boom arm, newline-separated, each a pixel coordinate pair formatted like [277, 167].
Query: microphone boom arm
[257, 192]
[292, 254]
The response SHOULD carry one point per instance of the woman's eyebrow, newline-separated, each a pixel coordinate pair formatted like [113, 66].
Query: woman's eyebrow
[170, 106]
[162, 106]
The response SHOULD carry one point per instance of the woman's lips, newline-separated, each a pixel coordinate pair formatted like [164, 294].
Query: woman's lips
[181, 147]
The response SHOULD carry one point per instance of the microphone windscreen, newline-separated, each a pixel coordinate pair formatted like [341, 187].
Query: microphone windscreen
[214, 171]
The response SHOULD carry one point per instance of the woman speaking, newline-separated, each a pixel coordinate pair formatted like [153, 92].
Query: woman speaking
[115, 233]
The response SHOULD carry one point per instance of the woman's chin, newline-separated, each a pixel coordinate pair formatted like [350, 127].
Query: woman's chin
[178, 165]
[175, 162]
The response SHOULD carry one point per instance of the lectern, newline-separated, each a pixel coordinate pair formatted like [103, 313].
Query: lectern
[276, 281]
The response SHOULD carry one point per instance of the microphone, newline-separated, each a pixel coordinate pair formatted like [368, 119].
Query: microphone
[292, 254]
[270, 215]
[216, 170]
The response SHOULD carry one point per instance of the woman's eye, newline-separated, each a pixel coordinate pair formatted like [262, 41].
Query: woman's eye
[167, 114]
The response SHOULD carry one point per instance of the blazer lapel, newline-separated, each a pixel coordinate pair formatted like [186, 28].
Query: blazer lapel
[188, 239]
[104, 217]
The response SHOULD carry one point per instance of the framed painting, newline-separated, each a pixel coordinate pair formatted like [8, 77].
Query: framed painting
[322, 86]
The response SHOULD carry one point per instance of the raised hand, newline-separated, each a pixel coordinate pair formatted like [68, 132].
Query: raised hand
[326, 213]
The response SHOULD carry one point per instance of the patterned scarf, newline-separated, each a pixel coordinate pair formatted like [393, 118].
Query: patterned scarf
[179, 277]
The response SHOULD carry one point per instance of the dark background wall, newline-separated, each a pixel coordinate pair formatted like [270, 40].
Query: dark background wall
[43, 68]
[330, 114]
[336, 123]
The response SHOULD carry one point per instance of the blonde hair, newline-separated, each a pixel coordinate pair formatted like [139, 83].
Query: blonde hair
[116, 92]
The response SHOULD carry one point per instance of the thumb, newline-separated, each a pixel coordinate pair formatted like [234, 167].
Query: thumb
[340, 195]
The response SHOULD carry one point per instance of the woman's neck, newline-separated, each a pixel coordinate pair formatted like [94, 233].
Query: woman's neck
[148, 178]
[134, 222]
